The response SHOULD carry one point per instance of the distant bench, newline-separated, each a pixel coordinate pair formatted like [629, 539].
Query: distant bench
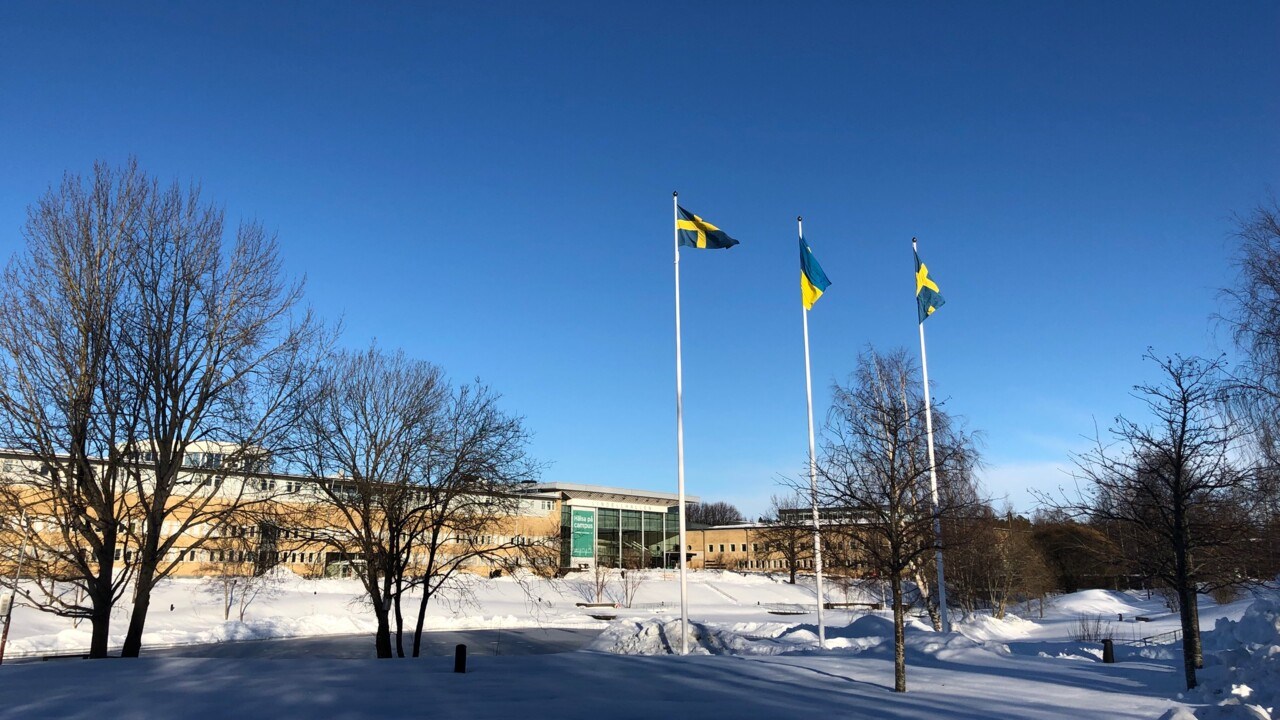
[837, 606]
[599, 610]
[786, 609]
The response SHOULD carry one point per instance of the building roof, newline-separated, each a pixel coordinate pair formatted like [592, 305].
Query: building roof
[613, 494]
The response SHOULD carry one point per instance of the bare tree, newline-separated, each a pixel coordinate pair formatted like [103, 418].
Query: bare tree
[631, 578]
[65, 399]
[371, 420]
[875, 460]
[1172, 480]
[218, 359]
[237, 586]
[1253, 314]
[716, 513]
[787, 533]
[477, 461]
[998, 563]
[419, 481]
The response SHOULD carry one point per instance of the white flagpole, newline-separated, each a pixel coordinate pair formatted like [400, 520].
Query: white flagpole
[684, 588]
[813, 464]
[933, 480]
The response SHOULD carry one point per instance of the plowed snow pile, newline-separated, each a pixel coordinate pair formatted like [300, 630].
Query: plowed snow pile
[1241, 674]
[656, 636]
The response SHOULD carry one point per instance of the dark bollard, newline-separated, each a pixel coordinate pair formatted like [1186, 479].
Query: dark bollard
[1108, 651]
[460, 659]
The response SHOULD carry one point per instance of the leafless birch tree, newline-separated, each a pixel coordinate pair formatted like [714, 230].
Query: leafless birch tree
[875, 461]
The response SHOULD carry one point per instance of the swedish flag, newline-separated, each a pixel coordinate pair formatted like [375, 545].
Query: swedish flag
[698, 233]
[927, 297]
[813, 282]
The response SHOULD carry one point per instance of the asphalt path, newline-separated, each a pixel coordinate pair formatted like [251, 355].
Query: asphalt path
[519, 641]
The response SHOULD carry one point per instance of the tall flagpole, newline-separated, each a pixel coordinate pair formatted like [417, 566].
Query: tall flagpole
[813, 464]
[684, 588]
[933, 480]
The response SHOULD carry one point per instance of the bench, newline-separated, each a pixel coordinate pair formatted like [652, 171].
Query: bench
[837, 606]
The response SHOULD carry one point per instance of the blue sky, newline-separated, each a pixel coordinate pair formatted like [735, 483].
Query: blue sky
[488, 186]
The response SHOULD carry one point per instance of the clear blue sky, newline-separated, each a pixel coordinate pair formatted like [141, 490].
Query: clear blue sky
[488, 186]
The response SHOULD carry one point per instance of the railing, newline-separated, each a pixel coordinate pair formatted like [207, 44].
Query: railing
[1160, 639]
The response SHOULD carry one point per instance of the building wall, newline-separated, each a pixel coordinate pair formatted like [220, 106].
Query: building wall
[285, 523]
[632, 534]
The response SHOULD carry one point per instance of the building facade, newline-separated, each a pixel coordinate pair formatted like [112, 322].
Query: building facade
[573, 526]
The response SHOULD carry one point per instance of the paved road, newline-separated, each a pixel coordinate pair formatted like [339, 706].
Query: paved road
[526, 641]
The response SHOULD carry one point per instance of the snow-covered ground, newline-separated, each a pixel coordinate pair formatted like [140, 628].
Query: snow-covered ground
[746, 661]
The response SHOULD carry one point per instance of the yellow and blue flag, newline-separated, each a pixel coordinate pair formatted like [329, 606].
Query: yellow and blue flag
[928, 299]
[698, 233]
[813, 282]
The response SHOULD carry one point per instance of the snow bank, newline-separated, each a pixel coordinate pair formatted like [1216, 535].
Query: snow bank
[1096, 602]
[983, 627]
[656, 636]
[1241, 674]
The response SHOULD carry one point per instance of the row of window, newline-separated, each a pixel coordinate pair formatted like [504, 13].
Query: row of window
[733, 547]
[232, 556]
[755, 547]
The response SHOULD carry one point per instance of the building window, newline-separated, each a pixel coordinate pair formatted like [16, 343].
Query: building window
[721, 547]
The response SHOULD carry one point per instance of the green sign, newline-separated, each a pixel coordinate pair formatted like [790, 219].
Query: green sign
[584, 534]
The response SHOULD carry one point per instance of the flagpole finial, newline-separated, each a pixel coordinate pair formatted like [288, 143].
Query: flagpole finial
[675, 194]
[799, 218]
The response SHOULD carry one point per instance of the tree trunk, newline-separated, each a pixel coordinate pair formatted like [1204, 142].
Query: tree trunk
[422, 616]
[926, 596]
[399, 626]
[100, 624]
[1186, 612]
[141, 603]
[381, 598]
[382, 638]
[899, 636]
[1196, 648]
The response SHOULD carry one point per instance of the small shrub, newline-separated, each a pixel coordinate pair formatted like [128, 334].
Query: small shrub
[1223, 595]
[1090, 628]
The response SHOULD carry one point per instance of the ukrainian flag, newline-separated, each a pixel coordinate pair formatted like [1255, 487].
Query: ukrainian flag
[927, 297]
[813, 282]
[698, 233]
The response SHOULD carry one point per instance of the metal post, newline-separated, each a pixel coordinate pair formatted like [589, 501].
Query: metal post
[813, 466]
[684, 589]
[933, 482]
[460, 658]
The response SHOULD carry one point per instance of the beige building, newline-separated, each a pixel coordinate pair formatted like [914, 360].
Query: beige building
[585, 525]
